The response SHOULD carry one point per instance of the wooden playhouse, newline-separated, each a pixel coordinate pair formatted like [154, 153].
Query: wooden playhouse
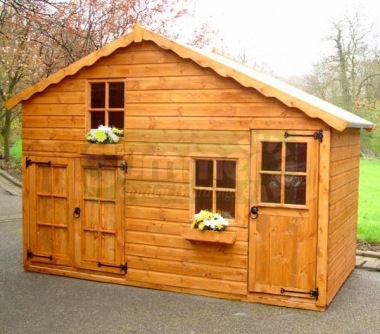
[201, 132]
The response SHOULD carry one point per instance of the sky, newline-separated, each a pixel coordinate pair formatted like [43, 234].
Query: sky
[287, 35]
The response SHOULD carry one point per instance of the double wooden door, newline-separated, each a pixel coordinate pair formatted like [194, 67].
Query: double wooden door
[75, 212]
[283, 225]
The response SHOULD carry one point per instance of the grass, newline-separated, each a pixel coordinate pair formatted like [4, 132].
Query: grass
[369, 196]
[16, 151]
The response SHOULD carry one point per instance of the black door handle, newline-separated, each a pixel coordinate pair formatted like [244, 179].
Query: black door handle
[76, 213]
[254, 212]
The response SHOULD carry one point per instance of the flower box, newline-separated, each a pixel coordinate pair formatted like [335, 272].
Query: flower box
[102, 149]
[224, 237]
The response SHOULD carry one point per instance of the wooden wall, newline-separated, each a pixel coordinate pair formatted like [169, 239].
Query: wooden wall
[175, 111]
[343, 211]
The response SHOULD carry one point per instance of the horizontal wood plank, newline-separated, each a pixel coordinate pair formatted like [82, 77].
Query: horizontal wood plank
[221, 123]
[188, 136]
[342, 166]
[349, 137]
[340, 194]
[194, 235]
[157, 188]
[168, 175]
[188, 150]
[130, 57]
[190, 269]
[71, 122]
[69, 84]
[195, 96]
[159, 162]
[345, 152]
[141, 70]
[77, 110]
[188, 282]
[212, 254]
[164, 215]
[61, 98]
[195, 82]
[340, 180]
[52, 134]
[337, 208]
[219, 109]
[157, 200]
[51, 147]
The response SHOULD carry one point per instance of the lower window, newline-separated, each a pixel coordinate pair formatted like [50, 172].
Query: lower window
[215, 186]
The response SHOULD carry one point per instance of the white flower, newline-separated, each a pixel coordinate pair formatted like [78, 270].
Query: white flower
[104, 135]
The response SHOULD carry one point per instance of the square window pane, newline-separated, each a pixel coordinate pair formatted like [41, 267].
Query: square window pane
[226, 174]
[116, 95]
[203, 200]
[116, 119]
[98, 95]
[296, 155]
[295, 189]
[225, 204]
[270, 188]
[271, 156]
[204, 173]
[97, 118]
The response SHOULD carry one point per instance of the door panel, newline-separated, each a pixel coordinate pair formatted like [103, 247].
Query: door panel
[100, 234]
[282, 253]
[50, 196]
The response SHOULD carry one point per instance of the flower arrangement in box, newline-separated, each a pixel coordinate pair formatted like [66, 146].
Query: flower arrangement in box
[206, 220]
[104, 135]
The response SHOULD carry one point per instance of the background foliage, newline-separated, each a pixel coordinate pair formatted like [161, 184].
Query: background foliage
[349, 77]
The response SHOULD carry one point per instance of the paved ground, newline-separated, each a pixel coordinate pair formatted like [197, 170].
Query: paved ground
[37, 303]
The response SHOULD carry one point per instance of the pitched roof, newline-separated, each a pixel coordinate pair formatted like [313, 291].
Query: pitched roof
[314, 107]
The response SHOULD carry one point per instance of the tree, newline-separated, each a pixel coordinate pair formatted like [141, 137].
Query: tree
[37, 38]
[350, 76]
[17, 68]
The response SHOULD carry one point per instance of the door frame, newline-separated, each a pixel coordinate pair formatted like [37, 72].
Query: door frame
[30, 216]
[108, 163]
[321, 268]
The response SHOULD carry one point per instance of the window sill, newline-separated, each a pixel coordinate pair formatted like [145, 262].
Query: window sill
[102, 149]
[224, 237]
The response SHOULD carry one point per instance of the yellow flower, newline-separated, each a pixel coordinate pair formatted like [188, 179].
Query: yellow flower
[118, 132]
[100, 136]
[219, 226]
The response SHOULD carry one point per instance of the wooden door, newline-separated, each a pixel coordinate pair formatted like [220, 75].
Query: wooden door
[283, 235]
[99, 217]
[50, 194]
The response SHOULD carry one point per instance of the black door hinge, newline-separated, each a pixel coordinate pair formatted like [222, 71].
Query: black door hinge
[123, 166]
[317, 135]
[29, 162]
[30, 255]
[122, 267]
[312, 293]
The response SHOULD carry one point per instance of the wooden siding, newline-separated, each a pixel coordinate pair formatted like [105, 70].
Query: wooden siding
[164, 92]
[342, 229]
[175, 111]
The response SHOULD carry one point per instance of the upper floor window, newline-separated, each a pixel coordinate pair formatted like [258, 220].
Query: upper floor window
[107, 103]
[215, 186]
